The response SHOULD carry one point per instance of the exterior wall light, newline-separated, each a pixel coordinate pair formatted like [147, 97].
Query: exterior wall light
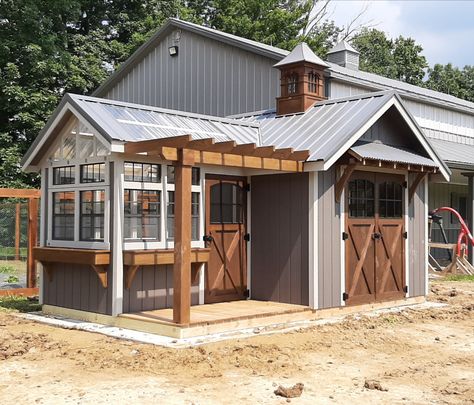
[173, 50]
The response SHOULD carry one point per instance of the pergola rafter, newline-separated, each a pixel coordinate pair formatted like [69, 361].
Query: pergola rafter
[227, 153]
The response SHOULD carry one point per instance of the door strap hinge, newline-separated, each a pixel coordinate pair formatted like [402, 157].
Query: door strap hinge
[345, 296]
[247, 237]
[405, 184]
[345, 236]
[405, 235]
[247, 293]
[405, 289]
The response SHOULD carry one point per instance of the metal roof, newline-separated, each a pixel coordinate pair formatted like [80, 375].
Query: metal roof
[456, 154]
[322, 129]
[342, 46]
[388, 153]
[328, 129]
[301, 53]
[356, 76]
[132, 122]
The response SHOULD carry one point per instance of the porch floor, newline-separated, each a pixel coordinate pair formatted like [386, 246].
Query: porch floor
[221, 312]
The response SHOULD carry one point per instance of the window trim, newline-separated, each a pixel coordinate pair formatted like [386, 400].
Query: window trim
[80, 192]
[144, 240]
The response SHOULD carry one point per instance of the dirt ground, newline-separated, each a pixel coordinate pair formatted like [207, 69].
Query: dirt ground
[417, 357]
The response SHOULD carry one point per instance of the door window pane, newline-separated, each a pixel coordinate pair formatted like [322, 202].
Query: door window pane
[361, 199]
[390, 199]
[226, 203]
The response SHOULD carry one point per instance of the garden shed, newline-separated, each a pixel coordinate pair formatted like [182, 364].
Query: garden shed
[165, 220]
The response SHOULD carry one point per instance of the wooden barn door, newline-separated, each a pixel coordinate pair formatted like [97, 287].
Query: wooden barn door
[375, 264]
[226, 202]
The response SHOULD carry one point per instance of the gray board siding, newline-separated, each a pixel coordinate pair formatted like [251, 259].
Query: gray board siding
[329, 242]
[152, 288]
[75, 286]
[416, 242]
[206, 77]
[279, 235]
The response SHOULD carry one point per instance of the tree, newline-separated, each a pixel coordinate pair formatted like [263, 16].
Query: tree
[399, 59]
[451, 80]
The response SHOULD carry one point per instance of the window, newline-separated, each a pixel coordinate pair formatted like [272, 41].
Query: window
[226, 204]
[63, 215]
[64, 175]
[292, 83]
[142, 172]
[459, 203]
[313, 82]
[195, 175]
[390, 200]
[93, 173]
[361, 199]
[92, 215]
[194, 216]
[142, 214]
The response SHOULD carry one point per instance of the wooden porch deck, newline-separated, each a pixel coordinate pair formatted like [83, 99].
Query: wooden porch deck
[223, 312]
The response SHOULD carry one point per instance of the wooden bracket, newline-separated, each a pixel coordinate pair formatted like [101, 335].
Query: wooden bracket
[418, 179]
[48, 270]
[195, 267]
[101, 272]
[130, 275]
[341, 183]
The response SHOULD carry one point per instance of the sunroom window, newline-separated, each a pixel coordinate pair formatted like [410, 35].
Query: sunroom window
[93, 173]
[63, 215]
[142, 214]
[64, 175]
[92, 215]
[142, 172]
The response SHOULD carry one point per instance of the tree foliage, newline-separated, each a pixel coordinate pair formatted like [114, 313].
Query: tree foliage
[49, 47]
[399, 59]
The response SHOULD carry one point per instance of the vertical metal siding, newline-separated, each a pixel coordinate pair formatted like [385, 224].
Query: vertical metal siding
[279, 250]
[206, 77]
[152, 288]
[416, 242]
[75, 286]
[329, 249]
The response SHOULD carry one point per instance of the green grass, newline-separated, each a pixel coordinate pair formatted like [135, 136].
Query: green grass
[458, 277]
[6, 269]
[20, 304]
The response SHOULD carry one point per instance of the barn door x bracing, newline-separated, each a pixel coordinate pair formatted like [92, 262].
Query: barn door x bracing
[375, 244]
[226, 273]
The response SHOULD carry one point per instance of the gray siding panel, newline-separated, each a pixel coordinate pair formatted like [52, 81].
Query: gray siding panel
[206, 77]
[416, 242]
[279, 252]
[152, 288]
[329, 242]
[75, 286]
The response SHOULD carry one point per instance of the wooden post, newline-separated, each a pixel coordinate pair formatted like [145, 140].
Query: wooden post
[32, 241]
[182, 238]
[17, 230]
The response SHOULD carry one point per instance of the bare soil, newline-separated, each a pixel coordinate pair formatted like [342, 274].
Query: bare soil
[412, 357]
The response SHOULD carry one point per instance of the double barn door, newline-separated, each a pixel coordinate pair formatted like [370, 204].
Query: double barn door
[375, 238]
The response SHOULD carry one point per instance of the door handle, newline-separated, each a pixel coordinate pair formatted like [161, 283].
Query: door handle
[207, 238]
[376, 236]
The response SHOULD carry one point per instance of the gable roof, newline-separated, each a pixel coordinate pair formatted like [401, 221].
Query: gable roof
[330, 128]
[370, 80]
[122, 122]
[301, 53]
[342, 46]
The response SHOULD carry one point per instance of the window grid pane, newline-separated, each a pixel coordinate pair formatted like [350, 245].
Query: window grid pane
[63, 215]
[93, 173]
[92, 215]
[142, 214]
[64, 175]
[194, 216]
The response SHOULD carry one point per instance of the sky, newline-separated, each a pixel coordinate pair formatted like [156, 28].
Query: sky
[444, 28]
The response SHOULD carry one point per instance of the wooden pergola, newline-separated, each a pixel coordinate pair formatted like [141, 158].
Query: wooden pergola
[185, 152]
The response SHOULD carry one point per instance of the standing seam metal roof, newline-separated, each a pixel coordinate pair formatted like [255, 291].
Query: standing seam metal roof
[131, 122]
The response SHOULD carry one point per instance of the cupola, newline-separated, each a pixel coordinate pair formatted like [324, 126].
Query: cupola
[301, 80]
[343, 54]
